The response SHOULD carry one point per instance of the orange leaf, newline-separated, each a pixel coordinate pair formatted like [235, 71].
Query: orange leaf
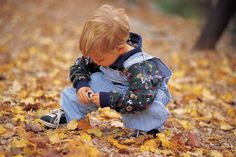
[83, 124]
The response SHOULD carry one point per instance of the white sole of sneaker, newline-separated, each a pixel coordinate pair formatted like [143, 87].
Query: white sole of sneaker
[53, 126]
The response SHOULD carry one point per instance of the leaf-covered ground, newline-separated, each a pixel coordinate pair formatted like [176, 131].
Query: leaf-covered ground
[39, 42]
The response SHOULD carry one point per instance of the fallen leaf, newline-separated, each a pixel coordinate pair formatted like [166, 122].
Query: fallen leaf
[19, 143]
[40, 142]
[165, 142]
[225, 126]
[109, 114]
[83, 124]
[2, 130]
[2, 154]
[18, 110]
[80, 149]
[95, 131]
[215, 153]
[149, 145]
[37, 94]
[36, 127]
[117, 124]
[193, 140]
[85, 136]
[19, 117]
[55, 136]
[116, 143]
[72, 125]
[16, 87]
[28, 100]
[51, 153]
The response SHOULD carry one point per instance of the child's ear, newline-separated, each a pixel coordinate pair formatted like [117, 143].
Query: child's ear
[121, 48]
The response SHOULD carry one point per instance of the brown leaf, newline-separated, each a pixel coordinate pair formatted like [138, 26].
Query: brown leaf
[35, 127]
[31, 107]
[193, 140]
[51, 153]
[39, 141]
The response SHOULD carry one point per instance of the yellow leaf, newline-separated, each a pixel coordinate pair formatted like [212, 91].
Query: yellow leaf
[54, 136]
[2, 130]
[185, 155]
[179, 111]
[2, 154]
[178, 74]
[22, 133]
[108, 113]
[218, 116]
[228, 97]
[215, 153]
[19, 144]
[129, 141]
[41, 112]
[19, 155]
[199, 152]
[45, 41]
[164, 141]
[56, 82]
[186, 124]
[116, 143]
[166, 152]
[28, 100]
[51, 94]
[20, 117]
[80, 149]
[3, 48]
[37, 94]
[149, 145]
[22, 94]
[208, 94]
[234, 132]
[85, 136]
[18, 110]
[96, 131]
[72, 125]
[225, 126]
[32, 50]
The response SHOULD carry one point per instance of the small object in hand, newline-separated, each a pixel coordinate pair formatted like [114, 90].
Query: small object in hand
[89, 95]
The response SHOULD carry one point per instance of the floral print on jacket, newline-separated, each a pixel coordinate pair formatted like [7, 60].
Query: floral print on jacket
[144, 79]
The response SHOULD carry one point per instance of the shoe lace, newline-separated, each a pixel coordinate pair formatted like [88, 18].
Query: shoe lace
[56, 114]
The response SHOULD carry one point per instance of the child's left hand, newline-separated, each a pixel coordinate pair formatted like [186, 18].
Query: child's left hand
[95, 99]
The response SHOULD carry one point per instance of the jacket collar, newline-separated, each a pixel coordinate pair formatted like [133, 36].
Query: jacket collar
[134, 40]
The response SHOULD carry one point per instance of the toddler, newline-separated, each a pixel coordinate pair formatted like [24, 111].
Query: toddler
[115, 72]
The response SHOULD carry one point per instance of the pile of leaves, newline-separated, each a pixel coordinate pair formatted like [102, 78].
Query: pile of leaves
[37, 48]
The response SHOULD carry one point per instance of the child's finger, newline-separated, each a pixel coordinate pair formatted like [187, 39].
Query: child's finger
[83, 98]
[95, 98]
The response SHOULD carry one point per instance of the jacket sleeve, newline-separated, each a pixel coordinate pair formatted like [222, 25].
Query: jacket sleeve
[144, 80]
[81, 71]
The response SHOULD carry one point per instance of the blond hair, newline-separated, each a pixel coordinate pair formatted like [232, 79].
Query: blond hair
[106, 29]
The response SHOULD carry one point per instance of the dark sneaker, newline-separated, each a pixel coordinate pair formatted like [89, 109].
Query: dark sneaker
[138, 133]
[54, 119]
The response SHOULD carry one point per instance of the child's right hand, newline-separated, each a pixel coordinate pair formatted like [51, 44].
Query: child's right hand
[82, 94]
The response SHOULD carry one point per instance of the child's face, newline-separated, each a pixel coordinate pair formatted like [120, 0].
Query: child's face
[105, 58]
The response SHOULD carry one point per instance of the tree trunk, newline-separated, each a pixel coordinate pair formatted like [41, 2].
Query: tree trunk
[218, 18]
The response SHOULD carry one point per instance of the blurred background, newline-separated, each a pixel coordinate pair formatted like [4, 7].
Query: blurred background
[39, 40]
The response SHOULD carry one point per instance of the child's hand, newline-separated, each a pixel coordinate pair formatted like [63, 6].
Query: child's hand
[82, 95]
[95, 99]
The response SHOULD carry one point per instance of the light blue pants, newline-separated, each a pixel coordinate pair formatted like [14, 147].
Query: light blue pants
[152, 118]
